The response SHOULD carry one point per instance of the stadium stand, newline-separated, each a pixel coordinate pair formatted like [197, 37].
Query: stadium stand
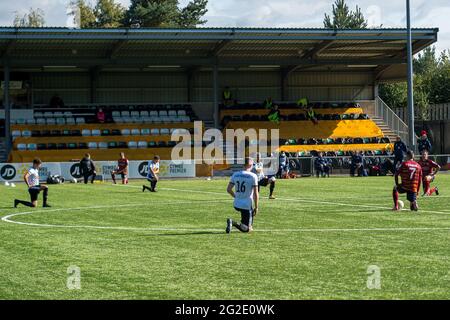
[65, 134]
[341, 127]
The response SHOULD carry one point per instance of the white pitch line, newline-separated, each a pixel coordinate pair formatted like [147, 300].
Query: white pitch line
[186, 229]
[183, 229]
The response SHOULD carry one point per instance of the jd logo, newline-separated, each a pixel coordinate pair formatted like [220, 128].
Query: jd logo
[143, 169]
[8, 172]
[75, 171]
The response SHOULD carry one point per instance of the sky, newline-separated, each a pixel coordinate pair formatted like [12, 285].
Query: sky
[274, 13]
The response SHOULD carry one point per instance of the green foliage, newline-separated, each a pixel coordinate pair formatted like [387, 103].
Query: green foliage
[105, 14]
[191, 15]
[165, 13]
[35, 18]
[83, 14]
[109, 14]
[344, 18]
[431, 83]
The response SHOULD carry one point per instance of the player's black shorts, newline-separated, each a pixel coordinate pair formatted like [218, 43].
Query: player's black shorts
[411, 196]
[246, 216]
[263, 182]
[34, 193]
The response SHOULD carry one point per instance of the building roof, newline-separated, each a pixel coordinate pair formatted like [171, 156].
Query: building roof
[380, 50]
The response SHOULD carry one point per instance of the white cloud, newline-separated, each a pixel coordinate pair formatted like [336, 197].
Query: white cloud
[275, 13]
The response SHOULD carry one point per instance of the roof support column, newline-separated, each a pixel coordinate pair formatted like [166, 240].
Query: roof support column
[216, 95]
[284, 94]
[94, 74]
[7, 106]
[411, 134]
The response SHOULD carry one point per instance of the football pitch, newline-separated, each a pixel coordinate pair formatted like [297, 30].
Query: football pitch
[320, 239]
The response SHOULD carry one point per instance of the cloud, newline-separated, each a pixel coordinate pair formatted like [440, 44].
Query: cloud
[275, 13]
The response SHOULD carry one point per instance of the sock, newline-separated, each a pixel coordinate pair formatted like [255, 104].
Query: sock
[45, 196]
[395, 196]
[432, 190]
[93, 177]
[153, 184]
[25, 203]
[272, 187]
[113, 176]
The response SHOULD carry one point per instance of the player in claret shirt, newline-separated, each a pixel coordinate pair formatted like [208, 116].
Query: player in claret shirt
[31, 178]
[411, 174]
[122, 169]
[429, 170]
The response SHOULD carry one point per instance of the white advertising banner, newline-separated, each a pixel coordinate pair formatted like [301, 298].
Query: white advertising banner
[13, 172]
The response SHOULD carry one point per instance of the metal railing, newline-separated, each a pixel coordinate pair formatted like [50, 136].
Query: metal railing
[390, 118]
[434, 112]
[340, 165]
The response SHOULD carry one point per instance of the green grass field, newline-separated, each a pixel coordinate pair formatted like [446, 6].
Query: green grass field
[316, 241]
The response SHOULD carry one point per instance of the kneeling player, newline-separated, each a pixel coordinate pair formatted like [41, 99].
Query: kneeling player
[122, 169]
[245, 185]
[429, 170]
[258, 169]
[152, 175]
[31, 178]
[411, 175]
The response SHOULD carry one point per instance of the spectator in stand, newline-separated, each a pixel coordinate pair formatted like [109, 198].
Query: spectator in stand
[227, 97]
[311, 115]
[268, 103]
[302, 103]
[357, 165]
[424, 143]
[400, 150]
[321, 166]
[101, 116]
[274, 114]
[56, 102]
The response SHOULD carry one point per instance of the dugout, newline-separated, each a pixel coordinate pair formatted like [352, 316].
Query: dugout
[104, 67]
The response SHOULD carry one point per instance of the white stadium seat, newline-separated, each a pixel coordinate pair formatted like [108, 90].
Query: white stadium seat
[92, 145]
[21, 147]
[16, 133]
[144, 114]
[40, 121]
[125, 132]
[86, 133]
[164, 131]
[32, 146]
[70, 120]
[125, 114]
[145, 132]
[61, 121]
[51, 121]
[31, 121]
[135, 132]
[96, 133]
[142, 144]
[103, 145]
[26, 133]
[154, 132]
[181, 112]
[132, 145]
[80, 121]
[163, 113]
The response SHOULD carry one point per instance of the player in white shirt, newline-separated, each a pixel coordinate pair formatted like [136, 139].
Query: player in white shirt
[31, 178]
[152, 175]
[245, 193]
[263, 180]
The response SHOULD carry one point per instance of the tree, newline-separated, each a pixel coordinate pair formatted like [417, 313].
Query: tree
[109, 14]
[344, 18]
[83, 14]
[191, 15]
[35, 18]
[105, 14]
[165, 13]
